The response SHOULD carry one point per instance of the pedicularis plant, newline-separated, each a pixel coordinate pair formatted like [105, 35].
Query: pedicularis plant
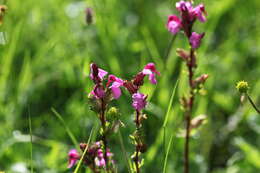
[98, 156]
[188, 16]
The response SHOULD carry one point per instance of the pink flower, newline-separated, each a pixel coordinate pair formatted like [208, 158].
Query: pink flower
[100, 153]
[183, 6]
[116, 84]
[97, 74]
[174, 24]
[139, 101]
[73, 157]
[98, 92]
[200, 12]
[195, 39]
[100, 162]
[150, 70]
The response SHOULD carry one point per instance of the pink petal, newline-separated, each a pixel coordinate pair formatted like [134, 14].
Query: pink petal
[116, 92]
[174, 24]
[195, 39]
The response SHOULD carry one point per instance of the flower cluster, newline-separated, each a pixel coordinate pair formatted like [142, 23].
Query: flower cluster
[106, 88]
[139, 99]
[114, 84]
[94, 157]
[188, 15]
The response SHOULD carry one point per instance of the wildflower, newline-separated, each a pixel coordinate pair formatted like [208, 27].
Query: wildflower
[183, 6]
[174, 24]
[116, 84]
[195, 39]
[200, 12]
[73, 157]
[98, 91]
[100, 162]
[139, 101]
[242, 86]
[97, 74]
[150, 70]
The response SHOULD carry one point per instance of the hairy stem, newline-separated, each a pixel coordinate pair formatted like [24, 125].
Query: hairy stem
[136, 159]
[190, 64]
[104, 137]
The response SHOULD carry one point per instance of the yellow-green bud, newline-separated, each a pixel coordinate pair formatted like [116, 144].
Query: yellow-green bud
[242, 86]
[113, 113]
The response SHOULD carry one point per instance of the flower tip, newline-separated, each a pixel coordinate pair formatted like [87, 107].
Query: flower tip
[242, 86]
[173, 24]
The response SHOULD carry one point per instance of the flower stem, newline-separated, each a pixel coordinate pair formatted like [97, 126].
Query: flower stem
[104, 138]
[190, 64]
[253, 104]
[137, 148]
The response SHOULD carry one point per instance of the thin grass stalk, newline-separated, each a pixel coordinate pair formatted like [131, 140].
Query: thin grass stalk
[31, 140]
[85, 151]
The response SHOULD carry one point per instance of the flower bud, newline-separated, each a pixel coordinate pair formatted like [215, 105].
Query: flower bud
[3, 9]
[197, 121]
[113, 113]
[242, 86]
[89, 16]
[183, 53]
[201, 80]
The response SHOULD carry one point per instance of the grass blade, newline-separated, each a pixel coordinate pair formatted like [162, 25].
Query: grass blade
[167, 153]
[81, 159]
[127, 162]
[72, 137]
[167, 116]
[170, 104]
[31, 145]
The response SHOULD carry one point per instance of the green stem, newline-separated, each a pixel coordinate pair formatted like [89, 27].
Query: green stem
[253, 104]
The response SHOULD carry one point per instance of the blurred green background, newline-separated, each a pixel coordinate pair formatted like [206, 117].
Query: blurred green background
[45, 59]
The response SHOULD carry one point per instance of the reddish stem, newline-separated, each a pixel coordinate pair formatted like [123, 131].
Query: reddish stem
[190, 64]
[136, 159]
[103, 123]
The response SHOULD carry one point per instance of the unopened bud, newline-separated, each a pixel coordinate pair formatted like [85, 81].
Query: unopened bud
[89, 16]
[202, 79]
[242, 98]
[3, 9]
[113, 113]
[139, 79]
[197, 121]
[242, 86]
[83, 146]
[142, 147]
[183, 53]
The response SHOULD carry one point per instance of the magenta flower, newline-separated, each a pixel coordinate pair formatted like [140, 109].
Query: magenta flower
[97, 74]
[139, 101]
[100, 162]
[116, 84]
[100, 153]
[73, 157]
[98, 92]
[195, 39]
[174, 24]
[183, 6]
[200, 12]
[150, 70]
